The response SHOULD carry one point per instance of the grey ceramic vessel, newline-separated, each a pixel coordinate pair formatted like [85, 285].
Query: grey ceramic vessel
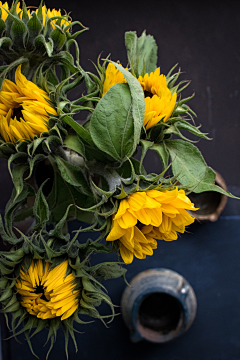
[158, 306]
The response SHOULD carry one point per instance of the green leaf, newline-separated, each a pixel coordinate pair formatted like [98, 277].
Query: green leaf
[18, 31]
[62, 195]
[6, 42]
[3, 283]
[73, 175]
[14, 203]
[119, 116]
[125, 171]
[109, 270]
[7, 293]
[2, 26]
[145, 146]
[162, 152]
[58, 38]
[17, 62]
[191, 168]
[184, 125]
[14, 255]
[73, 142]
[40, 208]
[17, 177]
[22, 214]
[32, 163]
[32, 147]
[66, 59]
[112, 123]
[80, 130]
[138, 102]
[142, 52]
[34, 26]
[172, 129]
[41, 44]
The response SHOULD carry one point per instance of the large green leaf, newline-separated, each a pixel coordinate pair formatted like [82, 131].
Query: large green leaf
[112, 123]
[138, 102]
[142, 52]
[191, 168]
[117, 121]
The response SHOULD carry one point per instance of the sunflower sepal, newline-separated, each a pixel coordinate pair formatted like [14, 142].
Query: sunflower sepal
[109, 270]
[162, 152]
[184, 125]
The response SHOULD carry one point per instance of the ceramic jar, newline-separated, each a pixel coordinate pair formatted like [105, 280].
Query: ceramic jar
[158, 306]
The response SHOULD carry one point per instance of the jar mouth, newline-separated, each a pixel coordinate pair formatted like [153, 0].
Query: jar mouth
[160, 317]
[207, 202]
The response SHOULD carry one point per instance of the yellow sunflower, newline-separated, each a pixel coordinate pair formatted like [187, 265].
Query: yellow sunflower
[159, 102]
[5, 6]
[24, 109]
[45, 12]
[146, 216]
[113, 76]
[48, 293]
[51, 13]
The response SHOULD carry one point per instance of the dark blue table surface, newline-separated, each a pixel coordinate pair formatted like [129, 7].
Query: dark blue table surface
[208, 257]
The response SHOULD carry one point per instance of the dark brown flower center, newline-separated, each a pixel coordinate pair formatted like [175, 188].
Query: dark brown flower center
[40, 290]
[17, 112]
[148, 94]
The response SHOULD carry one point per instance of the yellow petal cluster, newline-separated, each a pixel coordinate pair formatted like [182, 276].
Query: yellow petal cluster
[47, 13]
[113, 76]
[48, 293]
[5, 6]
[24, 109]
[159, 102]
[146, 216]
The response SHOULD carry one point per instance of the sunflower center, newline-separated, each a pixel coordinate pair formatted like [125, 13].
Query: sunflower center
[148, 94]
[17, 112]
[40, 290]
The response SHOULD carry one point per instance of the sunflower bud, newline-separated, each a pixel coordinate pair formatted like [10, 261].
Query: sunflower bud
[36, 37]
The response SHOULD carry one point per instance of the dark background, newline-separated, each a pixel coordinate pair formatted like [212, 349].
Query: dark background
[203, 38]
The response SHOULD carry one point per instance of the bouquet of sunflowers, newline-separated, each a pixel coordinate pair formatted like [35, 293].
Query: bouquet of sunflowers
[46, 276]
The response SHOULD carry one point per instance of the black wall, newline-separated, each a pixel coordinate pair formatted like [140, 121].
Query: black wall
[202, 37]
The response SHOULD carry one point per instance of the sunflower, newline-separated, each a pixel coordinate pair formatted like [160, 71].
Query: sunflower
[47, 13]
[146, 216]
[159, 101]
[24, 109]
[113, 76]
[48, 293]
[51, 13]
[5, 7]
